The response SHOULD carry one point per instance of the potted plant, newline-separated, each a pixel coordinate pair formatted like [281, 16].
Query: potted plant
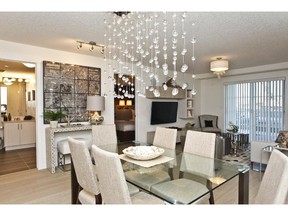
[54, 116]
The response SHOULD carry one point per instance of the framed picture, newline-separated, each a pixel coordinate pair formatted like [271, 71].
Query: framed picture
[66, 87]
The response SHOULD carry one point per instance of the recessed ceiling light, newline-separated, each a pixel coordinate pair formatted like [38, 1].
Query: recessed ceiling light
[29, 65]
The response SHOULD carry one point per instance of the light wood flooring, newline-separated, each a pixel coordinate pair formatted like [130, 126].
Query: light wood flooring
[41, 187]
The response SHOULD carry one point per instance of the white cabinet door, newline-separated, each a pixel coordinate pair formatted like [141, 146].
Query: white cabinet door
[11, 134]
[19, 133]
[28, 133]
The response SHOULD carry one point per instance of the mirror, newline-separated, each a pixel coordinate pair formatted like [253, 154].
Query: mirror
[17, 87]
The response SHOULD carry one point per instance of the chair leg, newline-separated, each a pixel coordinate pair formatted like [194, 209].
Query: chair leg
[209, 186]
[79, 189]
[98, 199]
[170, 172]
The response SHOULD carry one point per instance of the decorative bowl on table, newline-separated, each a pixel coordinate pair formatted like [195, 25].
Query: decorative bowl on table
[143, 152]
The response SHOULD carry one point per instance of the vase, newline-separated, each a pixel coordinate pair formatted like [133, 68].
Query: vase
[53, 124]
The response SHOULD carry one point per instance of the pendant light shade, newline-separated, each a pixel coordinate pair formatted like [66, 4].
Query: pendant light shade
[219, 67]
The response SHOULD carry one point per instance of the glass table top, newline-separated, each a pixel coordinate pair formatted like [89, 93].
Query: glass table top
[180, 165]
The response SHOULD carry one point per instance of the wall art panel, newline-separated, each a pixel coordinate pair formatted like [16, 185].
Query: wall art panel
[66, 87]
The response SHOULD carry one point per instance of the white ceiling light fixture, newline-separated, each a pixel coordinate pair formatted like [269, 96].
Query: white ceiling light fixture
[29, 65]
[11, 80]
[219, 67]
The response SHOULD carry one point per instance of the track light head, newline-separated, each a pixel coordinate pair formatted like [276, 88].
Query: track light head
[102, 50]
[79, 46]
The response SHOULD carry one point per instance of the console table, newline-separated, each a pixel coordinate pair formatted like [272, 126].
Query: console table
[51, 145]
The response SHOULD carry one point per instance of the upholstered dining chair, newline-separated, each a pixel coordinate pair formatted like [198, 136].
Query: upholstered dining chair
[106, 135]
[85, 173]
[166, 138]
[199, 143]
[112, 181]
[274, 185]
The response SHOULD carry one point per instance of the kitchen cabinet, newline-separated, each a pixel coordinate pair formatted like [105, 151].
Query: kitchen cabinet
[19, 134]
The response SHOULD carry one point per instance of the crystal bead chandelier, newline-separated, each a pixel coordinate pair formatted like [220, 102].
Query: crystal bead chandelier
[136, 42]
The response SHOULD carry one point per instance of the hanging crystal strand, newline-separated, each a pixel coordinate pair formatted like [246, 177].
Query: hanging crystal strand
[156, 47]
[147, 69]
[105, 59]
[184, 66]
[165, 65]
[193, 41]
[174, 47]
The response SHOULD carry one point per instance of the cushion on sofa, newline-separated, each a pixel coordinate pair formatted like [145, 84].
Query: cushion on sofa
[282, 137]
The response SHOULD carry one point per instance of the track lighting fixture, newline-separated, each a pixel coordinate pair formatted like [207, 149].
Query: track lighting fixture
[92, 44]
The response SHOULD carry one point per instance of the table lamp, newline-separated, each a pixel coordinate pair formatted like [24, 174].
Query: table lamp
[95, 104]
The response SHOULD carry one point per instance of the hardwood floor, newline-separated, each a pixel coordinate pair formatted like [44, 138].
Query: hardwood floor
[42, 187]
[17, 160]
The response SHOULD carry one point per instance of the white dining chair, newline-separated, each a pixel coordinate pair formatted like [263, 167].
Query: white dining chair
[106, 135]
[166, 138]
[112, 181]
[198, 143]
[274, 185]
[85, 173]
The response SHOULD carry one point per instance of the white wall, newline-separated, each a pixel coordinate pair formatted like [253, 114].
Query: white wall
[212, 90]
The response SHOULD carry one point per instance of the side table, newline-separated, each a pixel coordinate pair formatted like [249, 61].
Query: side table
[267, 149]
[51, 145]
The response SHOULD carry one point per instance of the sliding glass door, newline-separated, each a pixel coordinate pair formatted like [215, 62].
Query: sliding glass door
[256, 107]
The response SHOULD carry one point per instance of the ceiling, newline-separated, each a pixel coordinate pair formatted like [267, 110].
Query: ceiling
[14, 67]
[246, 39]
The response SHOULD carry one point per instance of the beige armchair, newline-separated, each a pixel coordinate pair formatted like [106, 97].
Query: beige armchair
[209, 123]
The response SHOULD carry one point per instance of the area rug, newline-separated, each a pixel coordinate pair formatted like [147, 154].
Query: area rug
[242, 157]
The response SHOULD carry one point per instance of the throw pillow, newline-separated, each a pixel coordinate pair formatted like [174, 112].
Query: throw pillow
[208, 123]
[282, 137]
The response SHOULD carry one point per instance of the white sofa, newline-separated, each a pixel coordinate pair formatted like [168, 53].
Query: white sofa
[256, 151]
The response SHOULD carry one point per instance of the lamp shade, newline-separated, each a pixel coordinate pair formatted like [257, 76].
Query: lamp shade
[122, 103]
[95, 103]
[129, 103]
[219, 65]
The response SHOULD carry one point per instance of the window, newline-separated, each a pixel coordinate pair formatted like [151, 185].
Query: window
[256, 107]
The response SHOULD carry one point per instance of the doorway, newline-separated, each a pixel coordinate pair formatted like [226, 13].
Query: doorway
[124, 107]
[18, 111]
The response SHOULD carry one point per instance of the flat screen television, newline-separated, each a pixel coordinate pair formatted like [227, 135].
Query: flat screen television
[163, 112]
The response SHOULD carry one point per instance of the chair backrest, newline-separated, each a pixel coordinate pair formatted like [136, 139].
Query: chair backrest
[200, 143]
[104, 134]
[200, 166]
[83, 166]
[113, 186]
[165, 137]
[274, 185]
[209, 119]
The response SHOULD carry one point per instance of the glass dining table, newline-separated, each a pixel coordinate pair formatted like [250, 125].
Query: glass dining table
[178, 164]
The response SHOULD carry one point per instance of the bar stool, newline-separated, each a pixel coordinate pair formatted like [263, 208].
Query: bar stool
[64, 152]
